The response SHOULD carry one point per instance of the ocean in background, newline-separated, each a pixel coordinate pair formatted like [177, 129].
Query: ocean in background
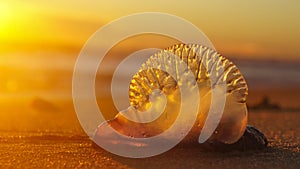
[36, 92]
[51, 75]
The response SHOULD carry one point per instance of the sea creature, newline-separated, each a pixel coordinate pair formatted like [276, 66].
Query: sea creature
[156, 98]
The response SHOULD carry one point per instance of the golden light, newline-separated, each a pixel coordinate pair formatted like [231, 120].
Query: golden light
[5, 15]
[12, 86]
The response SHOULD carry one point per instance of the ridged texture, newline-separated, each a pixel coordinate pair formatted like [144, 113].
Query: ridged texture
[202, 61]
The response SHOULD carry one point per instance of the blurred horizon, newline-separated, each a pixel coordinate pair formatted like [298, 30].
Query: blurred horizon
[40, 41]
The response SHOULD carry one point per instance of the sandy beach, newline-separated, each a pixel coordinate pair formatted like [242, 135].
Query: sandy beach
[45, 45]
[69, 150]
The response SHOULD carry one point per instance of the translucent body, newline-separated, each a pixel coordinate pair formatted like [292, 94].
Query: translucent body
[204, 63]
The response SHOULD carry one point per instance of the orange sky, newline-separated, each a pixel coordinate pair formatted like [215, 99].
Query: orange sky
[256, 29]
[40, 41]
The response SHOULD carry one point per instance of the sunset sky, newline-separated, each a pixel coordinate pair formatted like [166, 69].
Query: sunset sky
[40, 40]
[253, 29]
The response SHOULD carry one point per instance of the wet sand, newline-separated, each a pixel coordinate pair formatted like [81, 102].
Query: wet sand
[69, 150]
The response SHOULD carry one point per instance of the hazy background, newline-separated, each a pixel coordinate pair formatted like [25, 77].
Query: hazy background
[40, 41]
